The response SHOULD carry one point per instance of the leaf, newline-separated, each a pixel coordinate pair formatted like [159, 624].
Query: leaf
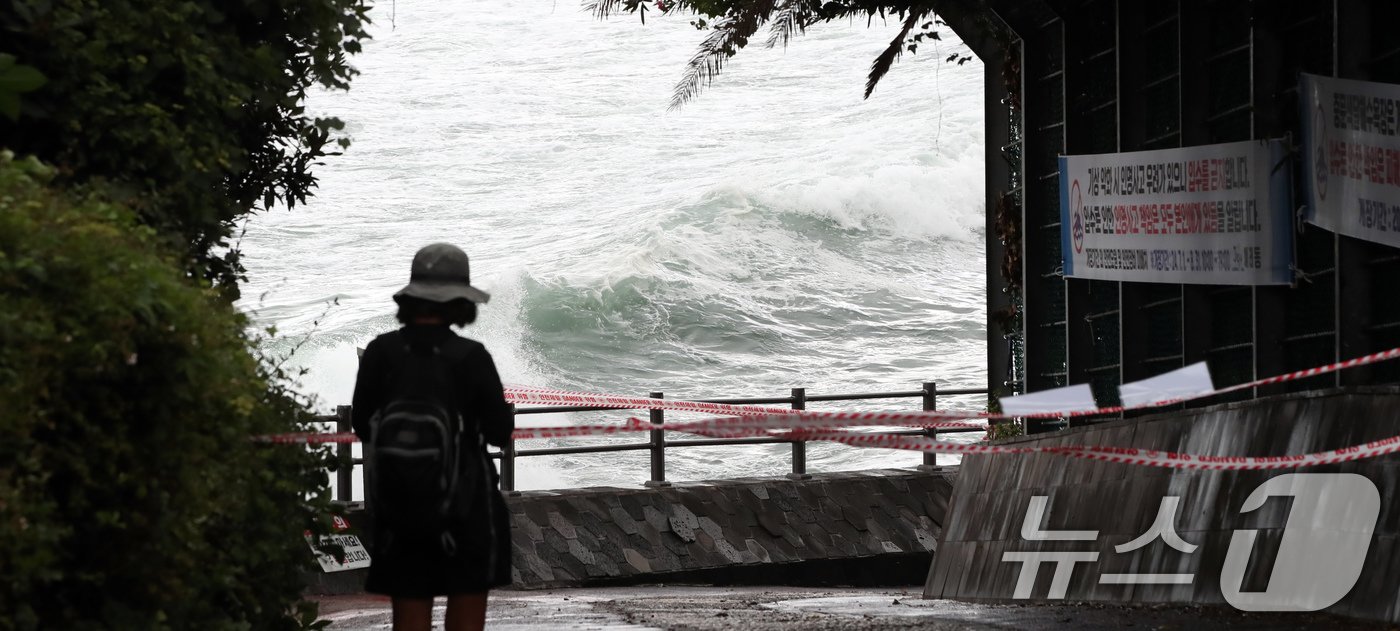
[18, 79]
[882, 64]
[729, 35]
[792, 18]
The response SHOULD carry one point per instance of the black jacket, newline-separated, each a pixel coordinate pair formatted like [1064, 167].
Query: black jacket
[418, 571]
[481, 397]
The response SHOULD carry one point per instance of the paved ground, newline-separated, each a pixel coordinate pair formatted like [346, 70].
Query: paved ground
[788, 608]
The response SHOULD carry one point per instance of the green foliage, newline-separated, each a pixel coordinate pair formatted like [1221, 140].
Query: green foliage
[1005, 429]
[130, 494]
[194, 107]
[15, 79]
[734, 22]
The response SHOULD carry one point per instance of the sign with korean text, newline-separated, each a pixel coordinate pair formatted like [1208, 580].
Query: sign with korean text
[1213, 214]
[1351, 140]
[356, 556]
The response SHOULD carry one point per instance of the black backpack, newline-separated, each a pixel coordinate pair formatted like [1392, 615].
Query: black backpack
[424, 477]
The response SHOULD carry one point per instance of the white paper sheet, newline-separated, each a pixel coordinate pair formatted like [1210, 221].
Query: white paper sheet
[1075, 398]
[1182, 382]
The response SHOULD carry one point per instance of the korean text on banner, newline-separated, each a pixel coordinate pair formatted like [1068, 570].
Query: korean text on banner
[1351, 140]
[1212, 214]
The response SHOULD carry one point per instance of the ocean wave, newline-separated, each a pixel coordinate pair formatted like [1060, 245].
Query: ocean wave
[777, 232]
[909, 201]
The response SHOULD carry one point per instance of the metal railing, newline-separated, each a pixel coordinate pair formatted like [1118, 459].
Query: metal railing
[657, 443]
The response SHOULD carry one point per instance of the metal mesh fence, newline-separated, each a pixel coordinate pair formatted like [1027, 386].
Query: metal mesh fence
[1204, 71]
[1045, 295]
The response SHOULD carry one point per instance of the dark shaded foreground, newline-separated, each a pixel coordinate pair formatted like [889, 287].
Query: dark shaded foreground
[775, 608]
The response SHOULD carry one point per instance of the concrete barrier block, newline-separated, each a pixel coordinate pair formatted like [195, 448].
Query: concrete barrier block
[561, 525]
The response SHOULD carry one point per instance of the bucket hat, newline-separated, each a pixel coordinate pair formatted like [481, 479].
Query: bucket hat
[441, 273]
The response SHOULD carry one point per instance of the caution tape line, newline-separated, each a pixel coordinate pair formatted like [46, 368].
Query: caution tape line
[548, 396]
[517, 394]
[780, 418]
[726, 409]
[731, 424]
[1131, 456]
[800, 419]
[745, 420]
[727, 426]
[307, 438]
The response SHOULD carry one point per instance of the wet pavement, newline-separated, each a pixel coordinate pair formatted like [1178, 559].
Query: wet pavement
[790, 608]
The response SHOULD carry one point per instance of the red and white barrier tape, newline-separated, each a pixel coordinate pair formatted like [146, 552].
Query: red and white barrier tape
[748, 420]
[1142, 457]
[548, 396]
[781, 419]
[740, 424]
[307, 438]
[727, 425]
[517, 394]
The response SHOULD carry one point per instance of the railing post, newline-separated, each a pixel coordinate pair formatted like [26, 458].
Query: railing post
[799, 447]
[658, 446]
[930, 405]
[508, 459]
[345, 472]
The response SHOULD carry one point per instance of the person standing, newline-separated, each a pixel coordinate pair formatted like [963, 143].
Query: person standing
[426, 403]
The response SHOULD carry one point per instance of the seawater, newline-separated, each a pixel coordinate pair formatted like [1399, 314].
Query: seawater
[778, 231]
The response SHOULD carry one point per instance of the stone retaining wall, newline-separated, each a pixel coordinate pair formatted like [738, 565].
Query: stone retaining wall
[993, 492]
[855, 528]
[729, 531]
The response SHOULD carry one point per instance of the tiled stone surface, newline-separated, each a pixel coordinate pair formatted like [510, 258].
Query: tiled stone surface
[564, 538]
[992, 492]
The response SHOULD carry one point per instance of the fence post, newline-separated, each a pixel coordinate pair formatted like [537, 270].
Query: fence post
[658, 446]
[930, 405]
[345, 472]
[508, 459]
[799, 447]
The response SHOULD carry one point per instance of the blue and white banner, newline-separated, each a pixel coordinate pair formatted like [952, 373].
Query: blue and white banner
[1213, 214]
[1351, 137]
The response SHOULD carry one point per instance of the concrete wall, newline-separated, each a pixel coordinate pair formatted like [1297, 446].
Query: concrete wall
[857, 528]
[832, 528]
[992, 493]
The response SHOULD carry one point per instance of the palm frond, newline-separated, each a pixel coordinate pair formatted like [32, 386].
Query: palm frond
[882, 64]
[727, 38]
[792, 18]
[608, 8]
[602, 9]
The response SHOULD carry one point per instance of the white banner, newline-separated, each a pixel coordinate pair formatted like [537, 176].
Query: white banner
[1213, 214]
[1076, 398]
[1351, 137]
[1181, 383]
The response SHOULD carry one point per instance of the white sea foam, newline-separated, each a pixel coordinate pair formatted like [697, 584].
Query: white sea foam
[779, 231]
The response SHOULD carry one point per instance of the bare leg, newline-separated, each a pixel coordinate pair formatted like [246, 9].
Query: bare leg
[413, 614]
[466, 612]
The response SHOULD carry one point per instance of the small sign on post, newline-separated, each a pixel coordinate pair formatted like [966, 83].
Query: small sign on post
[356, 556]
